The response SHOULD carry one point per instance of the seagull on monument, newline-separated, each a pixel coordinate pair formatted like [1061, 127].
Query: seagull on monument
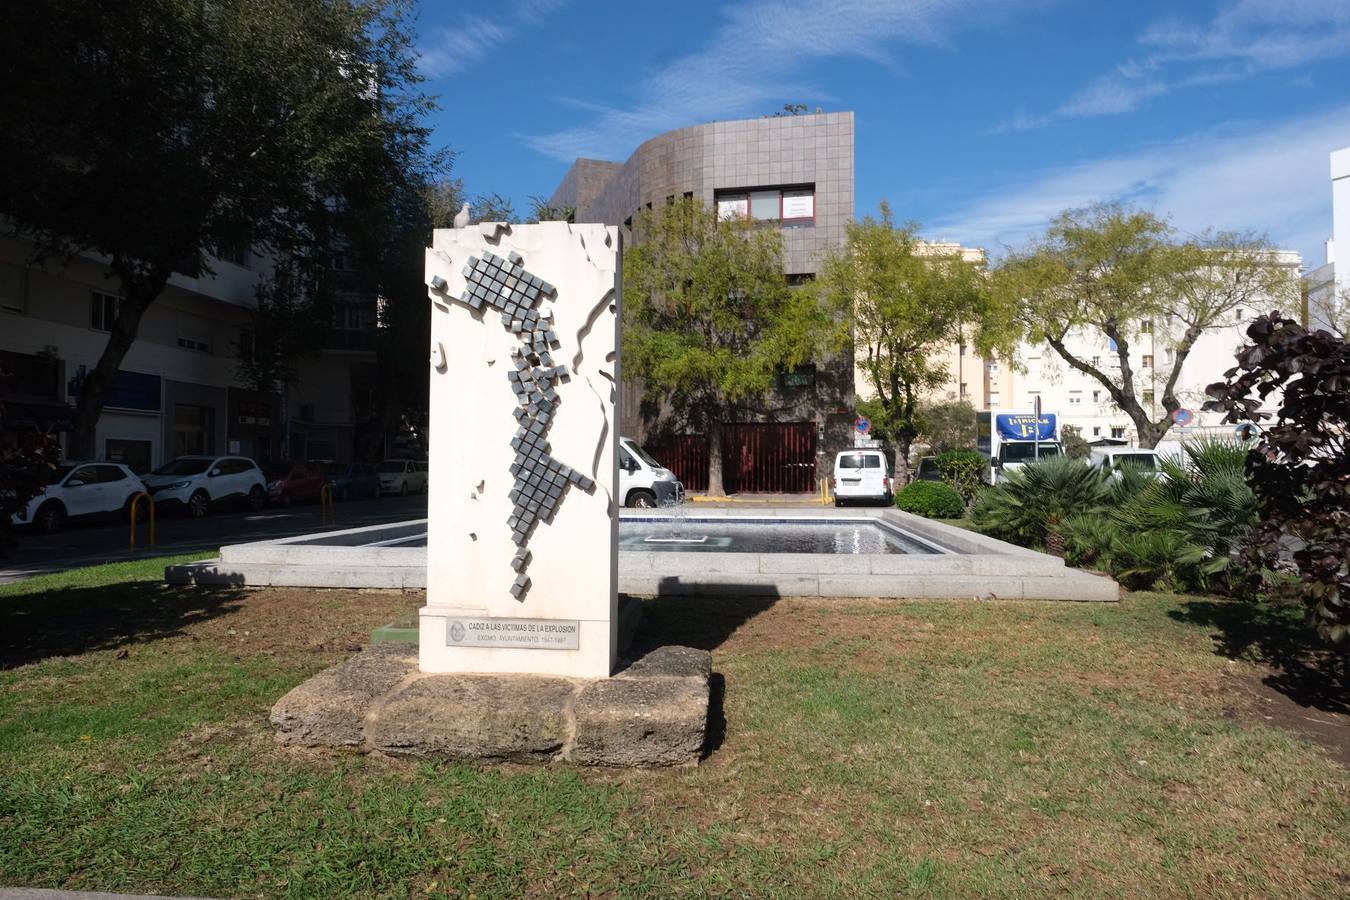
[462, 217]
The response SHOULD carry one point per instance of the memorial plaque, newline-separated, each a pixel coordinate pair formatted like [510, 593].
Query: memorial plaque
[522, 634]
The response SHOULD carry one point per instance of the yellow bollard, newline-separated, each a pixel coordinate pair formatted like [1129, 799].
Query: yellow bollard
[135, 502]
[327, 514]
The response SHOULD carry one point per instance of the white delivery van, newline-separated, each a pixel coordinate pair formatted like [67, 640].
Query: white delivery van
[861, 475]
[644, 482]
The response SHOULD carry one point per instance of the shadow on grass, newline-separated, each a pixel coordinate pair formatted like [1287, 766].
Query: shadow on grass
[69, 621]
[705, 622]
[1307, 671]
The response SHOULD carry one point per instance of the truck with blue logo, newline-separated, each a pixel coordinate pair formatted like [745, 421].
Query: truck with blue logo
[1010, 439]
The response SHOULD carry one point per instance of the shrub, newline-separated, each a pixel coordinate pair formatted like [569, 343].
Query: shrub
[963, 470]
[1300, 465]
[1031, 505]
[1182, 531]
[931, 499]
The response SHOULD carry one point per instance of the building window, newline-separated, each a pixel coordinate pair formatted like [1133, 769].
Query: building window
[1148, 398]
[1118, 431]
[1096, 431]
[194, 344]
[104, 311]
[961, 348]
[246, 344]
[733, 206]
[799, 205]
[192, 429]
[1148, 360]
[769, 204]
[1096, 362]
[993, 396]
[803, 376]
[1146, 327]
[963, 390]
[135, 455]
[1096, 396]
[1075, 398]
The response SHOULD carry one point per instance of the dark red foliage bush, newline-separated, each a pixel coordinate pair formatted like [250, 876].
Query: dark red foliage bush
[1298, 466]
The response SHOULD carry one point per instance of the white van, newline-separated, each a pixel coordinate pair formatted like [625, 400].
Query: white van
[1110, 460]
[644, 482]
[861, 475]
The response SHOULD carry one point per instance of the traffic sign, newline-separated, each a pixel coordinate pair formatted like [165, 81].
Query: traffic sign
[1182, 417]
[863, 424]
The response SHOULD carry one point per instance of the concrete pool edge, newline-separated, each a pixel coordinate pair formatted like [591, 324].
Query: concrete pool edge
[975, 566]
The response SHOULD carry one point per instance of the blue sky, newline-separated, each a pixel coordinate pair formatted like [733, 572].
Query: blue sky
[977, 118]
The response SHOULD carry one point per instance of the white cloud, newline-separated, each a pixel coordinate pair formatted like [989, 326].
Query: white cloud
[754, 62]
[449, 50]
[1270, 179]
[1245, 38]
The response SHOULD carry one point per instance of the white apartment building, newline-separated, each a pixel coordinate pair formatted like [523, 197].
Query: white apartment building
[1082, 401]
[178, 390]
[1332, 278]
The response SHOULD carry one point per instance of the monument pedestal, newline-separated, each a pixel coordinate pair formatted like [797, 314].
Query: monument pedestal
[654, 713]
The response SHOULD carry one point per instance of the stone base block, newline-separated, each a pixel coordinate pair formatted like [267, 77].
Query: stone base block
[654, 713]
[641, 722]
[516, 718]
[329, 710]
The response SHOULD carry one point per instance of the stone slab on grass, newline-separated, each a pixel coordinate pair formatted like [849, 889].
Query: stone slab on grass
[503, 718]
[654, 713]
[329, 709]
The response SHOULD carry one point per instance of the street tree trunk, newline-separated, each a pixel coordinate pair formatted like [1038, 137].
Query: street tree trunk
[715, 487]
[137, 295]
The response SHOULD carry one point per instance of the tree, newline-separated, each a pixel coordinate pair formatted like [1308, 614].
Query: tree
[542, 211]
[905, 304]
[492, 207]
[1330, 309]
[1075, 445]
[1119, 272]
[709, 319]
[1300, 465]
[947, 425]
[150, 133]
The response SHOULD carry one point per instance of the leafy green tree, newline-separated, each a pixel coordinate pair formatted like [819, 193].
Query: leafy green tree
[947, 425]
[1120, 272]
[1075, 445]
[709, 318]
[151, 132]
[905, 304]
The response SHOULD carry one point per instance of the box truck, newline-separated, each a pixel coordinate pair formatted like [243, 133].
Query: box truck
[1010, 439]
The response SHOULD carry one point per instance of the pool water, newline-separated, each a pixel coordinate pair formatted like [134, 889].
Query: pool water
[836, 536]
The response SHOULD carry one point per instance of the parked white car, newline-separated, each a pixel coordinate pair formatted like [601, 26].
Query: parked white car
[402, 476]
[1110, 459]
[196, 483]
[861, 475]
[644, 482]
[76, 490]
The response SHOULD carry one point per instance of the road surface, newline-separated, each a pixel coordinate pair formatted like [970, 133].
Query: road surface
[89, 545]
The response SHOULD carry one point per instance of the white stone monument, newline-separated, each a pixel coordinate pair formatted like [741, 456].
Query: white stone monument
[522, 570]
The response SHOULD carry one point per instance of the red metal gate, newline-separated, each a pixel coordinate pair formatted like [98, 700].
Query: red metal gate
[687, 457]
[773, 457]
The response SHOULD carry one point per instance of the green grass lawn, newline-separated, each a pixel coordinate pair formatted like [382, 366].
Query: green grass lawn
[861, 749]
